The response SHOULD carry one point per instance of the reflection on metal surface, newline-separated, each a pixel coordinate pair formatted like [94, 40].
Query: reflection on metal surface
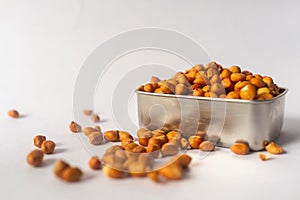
[229, 120]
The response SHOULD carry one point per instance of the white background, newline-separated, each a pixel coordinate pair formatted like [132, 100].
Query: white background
[44, 43]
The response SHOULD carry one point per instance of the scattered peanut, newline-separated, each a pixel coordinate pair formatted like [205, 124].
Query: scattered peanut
[71, 174]
[38, 140]
[95, 118]
[274, 148]
[67, 173]
[112, 135]
[35, 158]
[195, 141]
[95, 138]
[263, 157]
[240, 148]
[74, 127]
[95, 163]
[48, 147]
[173, 171]
[13, 113]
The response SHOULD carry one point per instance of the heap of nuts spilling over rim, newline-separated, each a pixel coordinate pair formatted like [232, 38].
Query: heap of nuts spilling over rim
[216, 82]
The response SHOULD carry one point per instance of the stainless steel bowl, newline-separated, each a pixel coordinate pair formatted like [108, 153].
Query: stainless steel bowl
[224, 120]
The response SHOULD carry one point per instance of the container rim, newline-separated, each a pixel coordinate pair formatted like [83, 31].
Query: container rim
[283, 92]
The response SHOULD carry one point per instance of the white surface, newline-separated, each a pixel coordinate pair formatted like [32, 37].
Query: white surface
[44, 43]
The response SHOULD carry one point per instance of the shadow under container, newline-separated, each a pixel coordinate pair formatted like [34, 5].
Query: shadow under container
[225, 121]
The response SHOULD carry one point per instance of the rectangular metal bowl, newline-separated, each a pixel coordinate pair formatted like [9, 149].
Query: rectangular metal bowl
[224, 120]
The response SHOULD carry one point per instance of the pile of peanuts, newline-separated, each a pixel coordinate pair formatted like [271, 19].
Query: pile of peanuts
[215, 81]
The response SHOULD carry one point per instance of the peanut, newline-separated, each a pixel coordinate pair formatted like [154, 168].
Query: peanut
[274, 148]
[88, 130]
[236, 77]
[257, 82]
[48, 147]
[35, 158]
[113, 173]
[248, 92]
[112, 135]
[71, 174]
[263, 157]
[124, 135]
[59, 167]
[95, 163]
[95, 118]
[74, 127]
[240, 148]
[183, 160]
[95, 138]
[38, 140]
[13, 113]
[154, 79]
[173, 171]
[195, 141]
[235, 69]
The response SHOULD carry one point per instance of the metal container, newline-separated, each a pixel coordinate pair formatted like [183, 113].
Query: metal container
[224, 120]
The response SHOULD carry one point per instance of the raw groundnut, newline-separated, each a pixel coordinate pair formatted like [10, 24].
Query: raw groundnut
[240, 148]
[195, 141]
[71, 174]
[257, 82]
[153, 149]
[112, 135]
[173, 134]
[248, 92]
[225, 74]
[207, 146]
[148, 87]
[124, 135]
[48, 147]
[74, 127]
[263, 157]
[125, 142]
[113, 173]
[13, 113]
[95, 138]
[35, 158]
[95, 118]
[59, 167]
[236, 77]
[226, 82]
[88, 130]
[173, 171]
[183, 160]
[235, 69]
[95, 163]
[38, 140]
[274, 148]
[137, 169]
[155, 140]
[268, 81]
[263, 90]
